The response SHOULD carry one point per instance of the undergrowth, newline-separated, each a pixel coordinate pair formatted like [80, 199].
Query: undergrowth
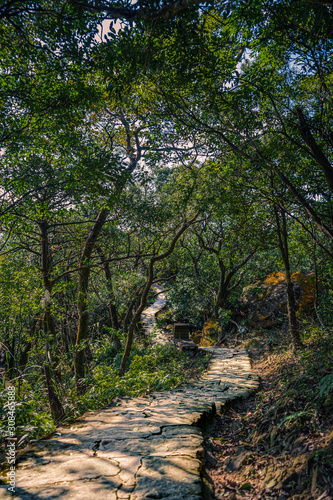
[151, 368]
[280, 443]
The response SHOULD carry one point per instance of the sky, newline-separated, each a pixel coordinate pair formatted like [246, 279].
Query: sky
[104, 28]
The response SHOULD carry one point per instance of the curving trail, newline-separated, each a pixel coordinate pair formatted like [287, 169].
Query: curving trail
[142, 448]
[148, 318]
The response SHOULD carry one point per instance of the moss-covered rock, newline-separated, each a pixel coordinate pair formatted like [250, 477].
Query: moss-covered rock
[266, 301]
[208, 335]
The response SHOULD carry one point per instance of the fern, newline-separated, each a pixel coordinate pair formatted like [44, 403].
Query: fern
[302, 416]
[326, 385]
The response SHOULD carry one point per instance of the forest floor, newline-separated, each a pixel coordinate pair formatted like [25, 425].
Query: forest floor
[278, 444]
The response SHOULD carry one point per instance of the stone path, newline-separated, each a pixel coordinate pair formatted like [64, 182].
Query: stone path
[140, 448]
[148, 318]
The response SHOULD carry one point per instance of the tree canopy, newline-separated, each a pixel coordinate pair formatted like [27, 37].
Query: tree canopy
[183, 143]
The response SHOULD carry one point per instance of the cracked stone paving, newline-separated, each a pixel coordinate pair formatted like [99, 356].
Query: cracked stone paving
[147, 447]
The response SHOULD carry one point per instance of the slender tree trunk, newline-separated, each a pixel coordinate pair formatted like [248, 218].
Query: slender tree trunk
[325, 229]
[133, 324]
[224, 287]
[11, 358]
[84, 273]
[24, 356]
[221, 293]
[84, 270]
[129, 313]
[316, 152]
[220, 301]
[315, 296]
[291, 303]
[48, 324]
[113, 314]
[36, 326]
[316, 290]
[56, 407]
[225, 280]
[145, 292]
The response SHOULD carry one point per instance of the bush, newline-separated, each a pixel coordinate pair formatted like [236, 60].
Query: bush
[153, 368]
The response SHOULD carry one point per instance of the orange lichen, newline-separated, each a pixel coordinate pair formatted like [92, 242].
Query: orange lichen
[305, 280]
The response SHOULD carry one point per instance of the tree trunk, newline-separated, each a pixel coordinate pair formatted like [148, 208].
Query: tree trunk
[56, 407]
[225, 280]
[48, 325]
[84, 272]
[291, 303]
[129, 314]
[316, 152]
[220, 301]
[222, 291]
[11, 358]
[113, 314]
[145, 292]
[24, 357]
[224, 286]
[136, 318]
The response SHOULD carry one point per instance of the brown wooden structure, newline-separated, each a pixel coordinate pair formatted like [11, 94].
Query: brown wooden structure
[181, 331]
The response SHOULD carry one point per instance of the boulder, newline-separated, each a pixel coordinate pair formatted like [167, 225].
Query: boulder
[188, 346]
[210, 334]
[265, 302]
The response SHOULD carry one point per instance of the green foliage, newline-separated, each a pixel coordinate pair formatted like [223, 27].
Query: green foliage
[225, 315]
[32, 414]
[153, 368]
[302, 384]
[189, 301]
[326, 385]
[299, 416]
[207, 103]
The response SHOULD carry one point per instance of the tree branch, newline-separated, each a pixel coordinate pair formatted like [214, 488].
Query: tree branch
[134, 14]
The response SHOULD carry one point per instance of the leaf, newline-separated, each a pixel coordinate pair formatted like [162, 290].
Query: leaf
[271, 484]
[326, 385]
[302, 415]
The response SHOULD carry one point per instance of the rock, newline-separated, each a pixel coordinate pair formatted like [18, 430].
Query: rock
[211, 328]
[181, 331]
[210, 458]
[210, 333]
[175, 478]
[266, 301]
[235, 463]
[188, 346]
